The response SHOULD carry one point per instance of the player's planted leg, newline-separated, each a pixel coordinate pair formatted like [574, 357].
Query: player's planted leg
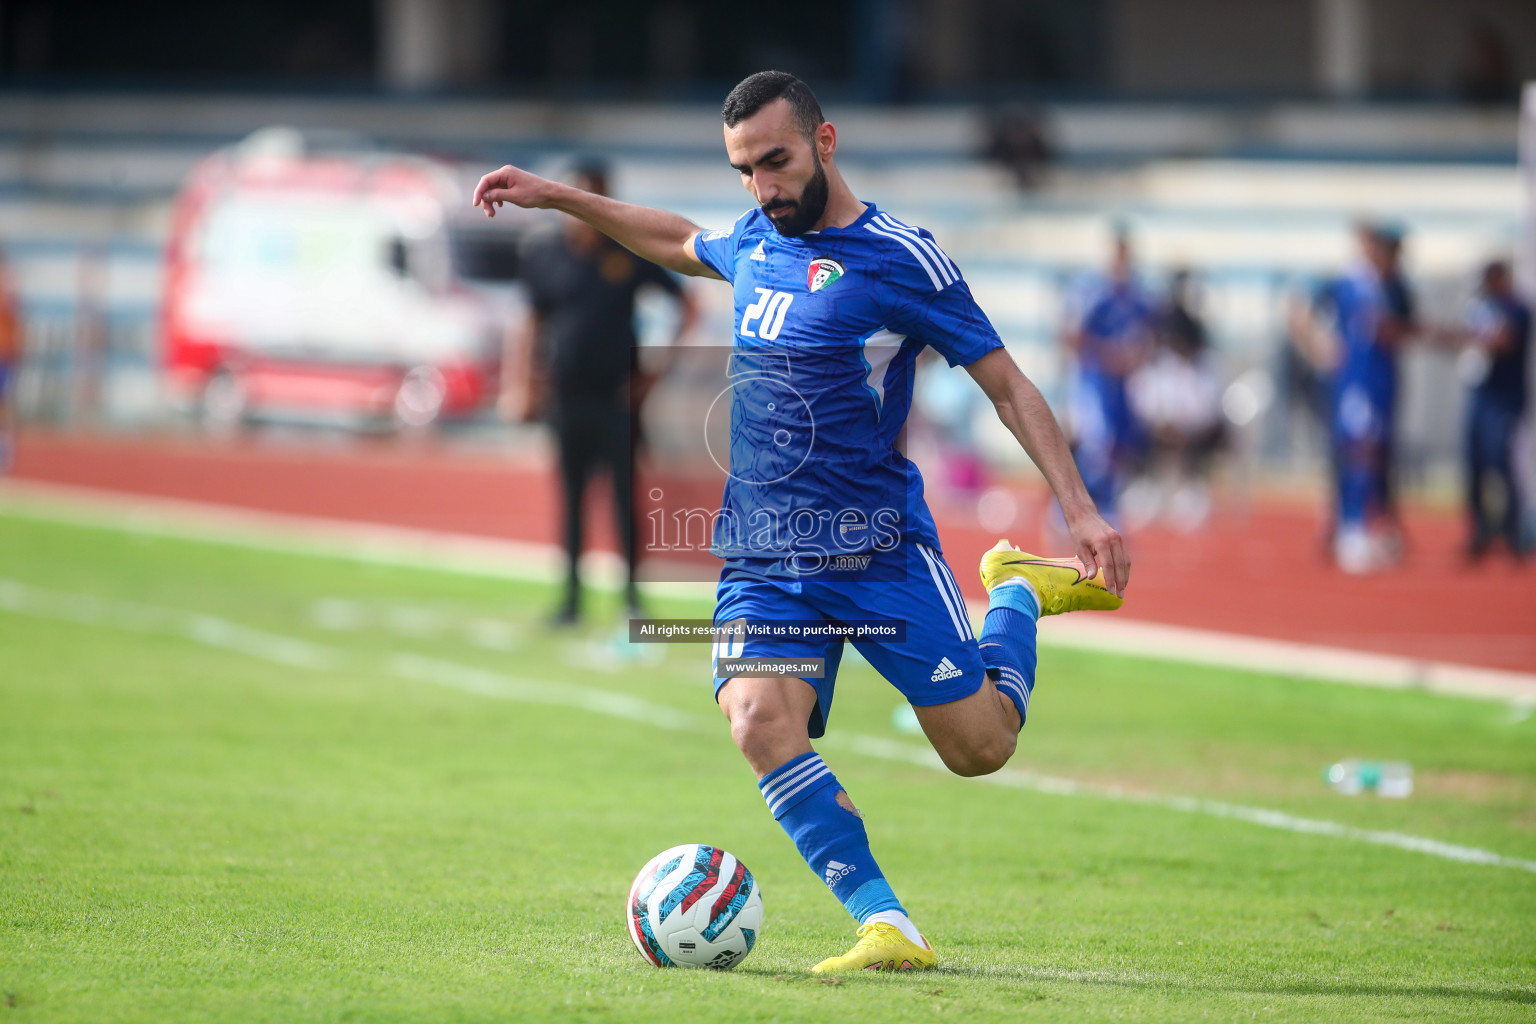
[768, 722]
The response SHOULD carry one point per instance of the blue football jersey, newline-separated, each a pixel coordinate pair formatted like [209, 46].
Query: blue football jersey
[1360, 302]
[1114, 315]
[828, 327]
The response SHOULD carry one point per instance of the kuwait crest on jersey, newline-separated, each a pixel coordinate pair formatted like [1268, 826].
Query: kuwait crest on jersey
[823, 272]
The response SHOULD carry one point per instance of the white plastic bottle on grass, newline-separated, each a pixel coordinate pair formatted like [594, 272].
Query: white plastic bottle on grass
[1353, 776]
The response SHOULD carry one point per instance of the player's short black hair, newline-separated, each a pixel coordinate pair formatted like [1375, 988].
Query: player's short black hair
[755, 92]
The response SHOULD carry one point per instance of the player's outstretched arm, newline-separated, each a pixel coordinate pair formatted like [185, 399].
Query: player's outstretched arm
[655, 235]
[1023, 411]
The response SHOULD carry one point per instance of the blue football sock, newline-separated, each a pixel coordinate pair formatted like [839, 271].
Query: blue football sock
[1356, 487]
[1007, 642]
[802, 794]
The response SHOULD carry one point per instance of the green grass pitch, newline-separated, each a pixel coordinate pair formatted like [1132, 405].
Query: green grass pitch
[233, 787]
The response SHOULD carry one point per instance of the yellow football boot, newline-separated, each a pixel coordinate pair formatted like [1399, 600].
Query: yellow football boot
[1059, 582]
[881, 947]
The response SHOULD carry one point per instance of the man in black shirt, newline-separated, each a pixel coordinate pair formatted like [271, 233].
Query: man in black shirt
[1400, 323]
[1499, 354]
[583, 287]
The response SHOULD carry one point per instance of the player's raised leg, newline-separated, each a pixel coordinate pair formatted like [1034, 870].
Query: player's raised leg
[768, 717]
[978, 734]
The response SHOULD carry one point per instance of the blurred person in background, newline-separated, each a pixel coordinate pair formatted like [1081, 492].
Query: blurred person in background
[1487, 75]
[582, 286]
[10, 355]
[1353, 332]
[1402, 324]
[1017, 140]
[1176, 396]
[1110, 337]
[1496, 364]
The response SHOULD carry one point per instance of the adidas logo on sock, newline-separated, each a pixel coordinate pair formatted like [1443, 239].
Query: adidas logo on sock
[758, 254]
[837, 869]
[945, 670]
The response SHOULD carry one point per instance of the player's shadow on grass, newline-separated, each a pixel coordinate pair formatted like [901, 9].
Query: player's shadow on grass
[1494, 994]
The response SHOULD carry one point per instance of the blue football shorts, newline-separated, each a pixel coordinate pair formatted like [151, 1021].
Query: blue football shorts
[936, 662]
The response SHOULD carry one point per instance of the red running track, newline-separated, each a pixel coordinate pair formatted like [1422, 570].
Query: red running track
[1259, 574]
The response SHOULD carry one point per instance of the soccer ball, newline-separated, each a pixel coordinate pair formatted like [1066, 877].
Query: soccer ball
[694, 906]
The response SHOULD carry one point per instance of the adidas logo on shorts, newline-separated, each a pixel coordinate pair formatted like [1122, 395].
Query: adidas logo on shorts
[945, 670]
[837, 869]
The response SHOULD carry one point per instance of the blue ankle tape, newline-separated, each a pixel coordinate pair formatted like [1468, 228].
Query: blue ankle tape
[1018, 597]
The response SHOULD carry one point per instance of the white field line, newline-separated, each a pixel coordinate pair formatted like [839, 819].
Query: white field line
[346, 539]
[488, 683]
[891, 750]
[290, 534]
[1098, 632]
[208, 630]
[340, 614]
[294, 652]
[543, 563]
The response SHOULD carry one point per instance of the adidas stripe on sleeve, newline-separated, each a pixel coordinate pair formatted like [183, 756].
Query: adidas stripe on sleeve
[926, 297]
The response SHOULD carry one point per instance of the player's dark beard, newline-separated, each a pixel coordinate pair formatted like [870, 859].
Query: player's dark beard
[807, 210]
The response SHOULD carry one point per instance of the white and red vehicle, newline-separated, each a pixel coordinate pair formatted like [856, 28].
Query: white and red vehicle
[334, 284]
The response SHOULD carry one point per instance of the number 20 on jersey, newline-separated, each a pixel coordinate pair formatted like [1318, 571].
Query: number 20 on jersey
[767, 313]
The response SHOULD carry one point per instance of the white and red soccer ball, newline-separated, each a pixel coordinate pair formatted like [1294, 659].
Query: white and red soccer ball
[694, 906]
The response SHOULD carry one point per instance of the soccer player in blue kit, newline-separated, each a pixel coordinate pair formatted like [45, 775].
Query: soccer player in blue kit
[1372, 315]
[1112, 338]
[834, 299]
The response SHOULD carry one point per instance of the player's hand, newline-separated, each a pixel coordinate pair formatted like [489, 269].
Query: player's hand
[1100, 546]
[512, 185]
